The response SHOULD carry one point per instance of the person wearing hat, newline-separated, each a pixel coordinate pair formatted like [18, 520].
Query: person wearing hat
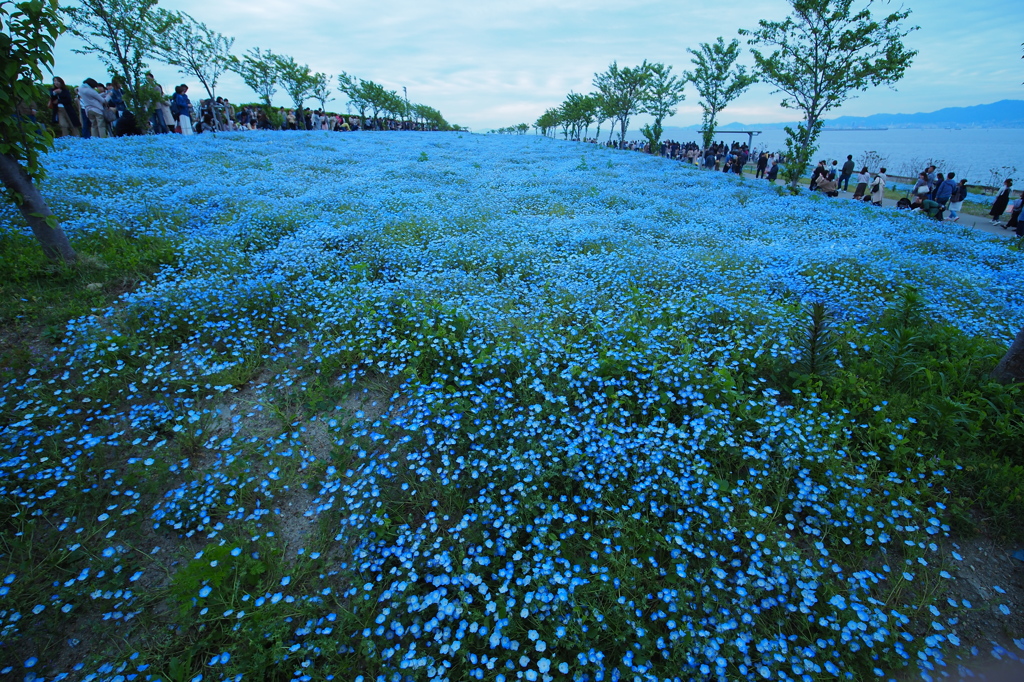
[184, 109]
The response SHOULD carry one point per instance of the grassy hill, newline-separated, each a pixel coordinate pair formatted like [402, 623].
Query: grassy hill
[439, 406]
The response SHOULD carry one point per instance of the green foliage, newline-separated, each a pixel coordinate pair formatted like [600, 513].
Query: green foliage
[800, 148]
[718, 79]
[322, 90]
[934, 383]
[297, 80]
[38, 298]
[824, 53]
[576, 114]
[624, 91]
[549, 120]
[816, 340]
[423, 157]
[664, 93]
[26, 47]
[258, 70]
[192, 47]
[119, 33]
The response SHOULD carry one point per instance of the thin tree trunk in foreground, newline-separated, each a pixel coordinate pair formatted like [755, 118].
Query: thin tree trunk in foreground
[1011, 368]
[33, 207]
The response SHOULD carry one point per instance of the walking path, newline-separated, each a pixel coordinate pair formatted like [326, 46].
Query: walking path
[983, 223]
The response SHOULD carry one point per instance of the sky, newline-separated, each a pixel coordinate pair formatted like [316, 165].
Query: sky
[486, 64]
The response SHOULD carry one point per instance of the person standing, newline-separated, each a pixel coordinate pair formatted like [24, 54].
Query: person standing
[184, 108]
[1014, 221]
[1001, 201]
[93, 106]
[62, 109]
[847, 173]
[162, 114]
[956, 201]
[944, 192]
[762, 165]
[863, 178]
[878, 187]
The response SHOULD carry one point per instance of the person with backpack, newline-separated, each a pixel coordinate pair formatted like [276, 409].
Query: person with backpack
[956, 201]
[944, 190]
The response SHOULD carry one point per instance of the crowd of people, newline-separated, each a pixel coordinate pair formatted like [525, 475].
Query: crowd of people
[93, 109]
[939, 195]
[99, 110]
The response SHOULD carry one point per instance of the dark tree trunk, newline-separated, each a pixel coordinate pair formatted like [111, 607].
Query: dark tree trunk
[1011, 368]
[33, 207]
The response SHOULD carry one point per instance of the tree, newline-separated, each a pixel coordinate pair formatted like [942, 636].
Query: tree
[664, 93]
[297, 81]
[549, 121]
[394, 104]
[376, 98]
[820, 56]
[119, 32]
[259, 71]
[192, 47]
[351, 87]
[600, 111]
[624, 91]
[322, 90]
[718, 80]
[26, 48]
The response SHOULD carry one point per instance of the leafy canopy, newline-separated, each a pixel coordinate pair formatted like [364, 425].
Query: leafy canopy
[28, 35]
[821, 55]
[624, 91]
[718, 80]
[192, 47]
[119, 33]
[664, 94]
[257, 69]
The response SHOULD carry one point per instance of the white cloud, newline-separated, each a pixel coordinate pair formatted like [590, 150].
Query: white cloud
[487, 64]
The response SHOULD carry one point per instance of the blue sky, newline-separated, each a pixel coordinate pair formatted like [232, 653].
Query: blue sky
[487, 64]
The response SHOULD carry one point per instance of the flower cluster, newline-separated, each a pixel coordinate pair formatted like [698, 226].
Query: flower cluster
[505, 414]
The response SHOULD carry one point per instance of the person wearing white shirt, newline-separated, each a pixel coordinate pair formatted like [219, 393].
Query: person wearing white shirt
[93, 106]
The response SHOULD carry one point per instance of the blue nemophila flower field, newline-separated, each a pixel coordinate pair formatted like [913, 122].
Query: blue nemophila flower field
[524, 410]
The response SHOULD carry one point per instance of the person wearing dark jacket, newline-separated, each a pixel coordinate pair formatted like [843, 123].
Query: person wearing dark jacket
[184, 108]
[63, 111]
[1014, 221]
[1001, 201]
[847, 173]
[944, 191]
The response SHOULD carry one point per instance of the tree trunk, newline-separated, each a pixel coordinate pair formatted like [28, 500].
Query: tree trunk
[1011, 368]
[33, 207]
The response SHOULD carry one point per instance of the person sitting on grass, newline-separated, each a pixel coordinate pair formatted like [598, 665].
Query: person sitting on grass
[828, 185]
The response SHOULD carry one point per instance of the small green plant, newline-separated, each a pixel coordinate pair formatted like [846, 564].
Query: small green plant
[423, 157]
[816, 340]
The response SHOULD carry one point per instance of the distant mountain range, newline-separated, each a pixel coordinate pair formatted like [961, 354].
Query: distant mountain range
[1008, 113]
